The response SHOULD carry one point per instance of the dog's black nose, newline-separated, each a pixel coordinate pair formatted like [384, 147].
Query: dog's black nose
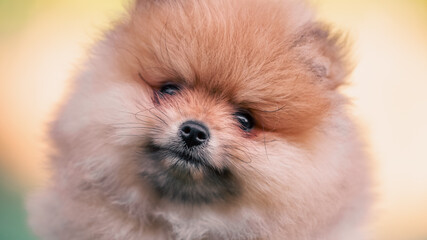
[193, 133]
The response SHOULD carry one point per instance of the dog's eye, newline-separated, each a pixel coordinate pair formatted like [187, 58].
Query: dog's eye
[245, 120]
[170, 89]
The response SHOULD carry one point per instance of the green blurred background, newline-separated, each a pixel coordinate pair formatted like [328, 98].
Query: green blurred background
[41, 41]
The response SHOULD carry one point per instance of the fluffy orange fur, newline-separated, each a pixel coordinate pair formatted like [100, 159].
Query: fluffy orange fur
[300, 173]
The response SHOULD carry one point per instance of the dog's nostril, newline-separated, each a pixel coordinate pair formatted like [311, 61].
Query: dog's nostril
[194, 133]
[201, 136]
[186, 129]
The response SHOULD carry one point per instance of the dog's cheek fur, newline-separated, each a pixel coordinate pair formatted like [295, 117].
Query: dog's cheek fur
[311, 184]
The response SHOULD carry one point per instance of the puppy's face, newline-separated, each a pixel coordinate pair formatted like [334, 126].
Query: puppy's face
[206, 102]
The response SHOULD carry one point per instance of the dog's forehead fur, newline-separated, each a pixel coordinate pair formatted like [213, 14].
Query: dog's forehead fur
[237, 46]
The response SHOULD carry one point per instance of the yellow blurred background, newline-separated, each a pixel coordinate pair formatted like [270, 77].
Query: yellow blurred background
[41, 42]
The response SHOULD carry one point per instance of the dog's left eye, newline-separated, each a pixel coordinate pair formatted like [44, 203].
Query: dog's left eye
[245, 120]
[169, 89]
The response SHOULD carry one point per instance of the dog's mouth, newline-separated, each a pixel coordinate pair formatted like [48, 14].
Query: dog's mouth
[187, 176]
[182, 157]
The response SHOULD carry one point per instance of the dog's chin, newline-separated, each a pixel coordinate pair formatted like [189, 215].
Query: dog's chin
[183, 176]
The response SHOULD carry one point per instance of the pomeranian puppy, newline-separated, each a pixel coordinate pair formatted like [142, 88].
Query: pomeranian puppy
[208, 119]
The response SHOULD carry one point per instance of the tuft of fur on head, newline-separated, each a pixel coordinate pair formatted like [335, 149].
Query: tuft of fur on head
[121, 169]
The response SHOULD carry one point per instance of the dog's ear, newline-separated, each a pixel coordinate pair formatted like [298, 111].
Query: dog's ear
[324, 52]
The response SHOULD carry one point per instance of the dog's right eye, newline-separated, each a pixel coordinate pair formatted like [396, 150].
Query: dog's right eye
[169, 89]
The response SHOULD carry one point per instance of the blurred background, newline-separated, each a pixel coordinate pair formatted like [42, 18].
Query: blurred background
[41, 42]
